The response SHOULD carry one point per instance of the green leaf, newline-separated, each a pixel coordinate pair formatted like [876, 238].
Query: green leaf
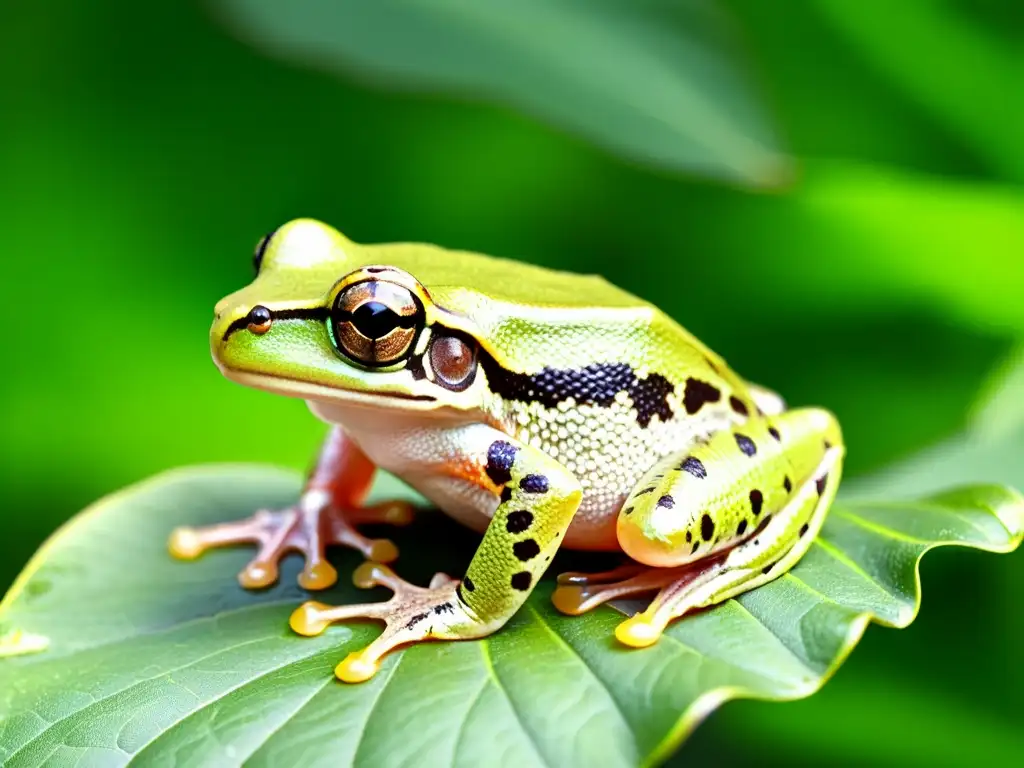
[1000, 408]
[651, 80]
[947, 58]
[989, 451]
[156, 660]
[859, 238]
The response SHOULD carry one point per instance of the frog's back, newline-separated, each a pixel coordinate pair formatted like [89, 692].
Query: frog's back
[526, 317]
[449, 273]
[530, 317]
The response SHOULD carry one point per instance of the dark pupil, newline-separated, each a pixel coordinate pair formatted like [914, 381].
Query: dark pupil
[374, 319]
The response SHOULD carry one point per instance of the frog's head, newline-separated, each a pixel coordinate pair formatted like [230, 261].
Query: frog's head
[326, 322]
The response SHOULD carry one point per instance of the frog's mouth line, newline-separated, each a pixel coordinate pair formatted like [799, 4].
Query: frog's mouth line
[281, 385]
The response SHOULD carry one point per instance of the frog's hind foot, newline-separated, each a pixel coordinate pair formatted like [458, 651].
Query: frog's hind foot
[578, 593]
[413, 614]
[775, 546]
[624, 571]
[767, 554]
[308, 528]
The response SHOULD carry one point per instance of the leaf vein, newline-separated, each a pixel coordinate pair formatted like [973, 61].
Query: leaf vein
[136, 684]
[590, 671]
[360, 740]
[202, 707]
[839, 555]
[489, 664]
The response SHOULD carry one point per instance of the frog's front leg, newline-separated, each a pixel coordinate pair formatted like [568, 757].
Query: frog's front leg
[537, 500]
[720, 519]
[327, 509]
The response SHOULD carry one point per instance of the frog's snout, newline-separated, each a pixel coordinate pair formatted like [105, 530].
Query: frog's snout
[229, 318]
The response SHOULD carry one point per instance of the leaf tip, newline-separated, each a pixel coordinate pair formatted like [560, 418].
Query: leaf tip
[1011, 514]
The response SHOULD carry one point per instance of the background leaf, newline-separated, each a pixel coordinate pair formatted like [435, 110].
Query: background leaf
[163, 661]
[653, 80]
[948, 55]
[991, 450]
[883, 238]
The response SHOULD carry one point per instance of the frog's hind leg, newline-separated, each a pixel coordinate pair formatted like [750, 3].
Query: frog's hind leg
[728, 515]
[778, 543]
[325, 514]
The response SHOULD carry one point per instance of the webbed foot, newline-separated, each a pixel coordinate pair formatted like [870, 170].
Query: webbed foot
[308, 528]
[413, 614]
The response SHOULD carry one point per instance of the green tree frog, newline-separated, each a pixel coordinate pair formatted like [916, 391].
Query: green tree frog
[543, 409]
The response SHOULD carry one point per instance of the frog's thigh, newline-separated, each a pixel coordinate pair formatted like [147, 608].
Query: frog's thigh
[702, 502]
[751, 518]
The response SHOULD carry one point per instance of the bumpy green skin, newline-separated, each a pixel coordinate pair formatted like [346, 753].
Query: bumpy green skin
[689, 506]
[538, 500]
[583, 400]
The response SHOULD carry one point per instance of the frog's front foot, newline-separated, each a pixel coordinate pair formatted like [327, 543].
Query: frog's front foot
[308, 528]
[413, 614]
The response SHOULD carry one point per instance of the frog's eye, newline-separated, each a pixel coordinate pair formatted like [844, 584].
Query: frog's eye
[453, 361]
[375, 322]
[261, 247]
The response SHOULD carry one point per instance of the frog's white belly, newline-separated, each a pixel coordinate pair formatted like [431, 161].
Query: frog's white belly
[435, 454]
[474, 506]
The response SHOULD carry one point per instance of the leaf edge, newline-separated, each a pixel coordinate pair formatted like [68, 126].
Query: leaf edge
[708, 702]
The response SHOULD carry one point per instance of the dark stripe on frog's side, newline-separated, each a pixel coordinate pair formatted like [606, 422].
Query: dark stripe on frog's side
[699, 393]
[299, 313]
[594, 384]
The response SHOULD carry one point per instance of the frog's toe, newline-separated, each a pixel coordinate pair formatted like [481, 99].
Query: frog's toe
[258, 574]
[639, 631]
[310, 619]
[185, 543]
[413, 614]
[317, 575]
[268, 530]
[356, 668]
[624, 571]
[373, 574]
[578, 593]
[381, 551]
[307, 528]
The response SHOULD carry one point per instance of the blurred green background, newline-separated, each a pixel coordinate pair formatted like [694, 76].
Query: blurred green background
[145, 147]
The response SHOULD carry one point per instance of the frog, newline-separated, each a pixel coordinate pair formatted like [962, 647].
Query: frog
[542, 409]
